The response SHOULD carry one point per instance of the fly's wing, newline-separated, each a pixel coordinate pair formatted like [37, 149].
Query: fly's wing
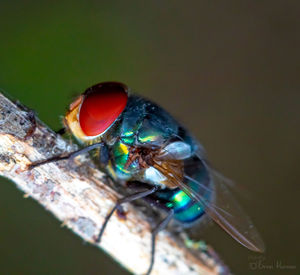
[221, 207]
[228, 214]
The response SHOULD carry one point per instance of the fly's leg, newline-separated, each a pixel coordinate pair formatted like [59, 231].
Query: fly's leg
[130, 198]
[61, 131]
[192, 244]
[65, 156]
[31, 117]
[162, 225]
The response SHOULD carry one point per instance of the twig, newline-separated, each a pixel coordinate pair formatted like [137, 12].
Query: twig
[80, 197]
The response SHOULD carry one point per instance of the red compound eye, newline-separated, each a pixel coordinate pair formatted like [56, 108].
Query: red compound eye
[101, 106]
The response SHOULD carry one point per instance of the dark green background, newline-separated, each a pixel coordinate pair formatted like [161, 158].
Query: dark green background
[229, 70]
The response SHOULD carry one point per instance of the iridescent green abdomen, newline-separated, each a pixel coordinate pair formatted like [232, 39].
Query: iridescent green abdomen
[186, 209]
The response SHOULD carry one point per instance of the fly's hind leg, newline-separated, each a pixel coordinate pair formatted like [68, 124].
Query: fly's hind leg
[130, 198]
[162, 225]
[155, 231]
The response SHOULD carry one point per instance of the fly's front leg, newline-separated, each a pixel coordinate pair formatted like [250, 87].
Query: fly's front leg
[61, 131]
[65, 156]
[31, 130]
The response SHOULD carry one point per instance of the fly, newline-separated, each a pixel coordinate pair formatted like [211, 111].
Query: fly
[138, 142]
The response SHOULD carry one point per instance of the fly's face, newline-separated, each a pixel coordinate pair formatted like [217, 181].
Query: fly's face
[96, 110]
[71, 120]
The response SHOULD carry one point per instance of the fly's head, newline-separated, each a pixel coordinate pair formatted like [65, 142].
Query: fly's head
[93, 113]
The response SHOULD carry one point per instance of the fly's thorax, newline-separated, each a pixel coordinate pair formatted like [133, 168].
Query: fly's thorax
[133, 162]
[129, 160]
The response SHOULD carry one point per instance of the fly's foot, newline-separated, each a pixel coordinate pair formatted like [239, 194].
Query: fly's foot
[32, 119]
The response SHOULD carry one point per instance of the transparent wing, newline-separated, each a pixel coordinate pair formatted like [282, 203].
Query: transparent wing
[222, 208]
[228, 214]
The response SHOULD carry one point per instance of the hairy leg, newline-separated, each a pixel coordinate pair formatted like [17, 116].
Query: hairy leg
[130, 198]
[162, 225]
[65, 156]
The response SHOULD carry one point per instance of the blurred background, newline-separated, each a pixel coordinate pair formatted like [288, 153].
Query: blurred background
[228, 70]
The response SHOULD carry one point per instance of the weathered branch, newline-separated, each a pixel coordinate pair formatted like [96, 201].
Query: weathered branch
[80, 198]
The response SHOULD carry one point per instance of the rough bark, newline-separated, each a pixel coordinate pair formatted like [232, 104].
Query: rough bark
[78, 195]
